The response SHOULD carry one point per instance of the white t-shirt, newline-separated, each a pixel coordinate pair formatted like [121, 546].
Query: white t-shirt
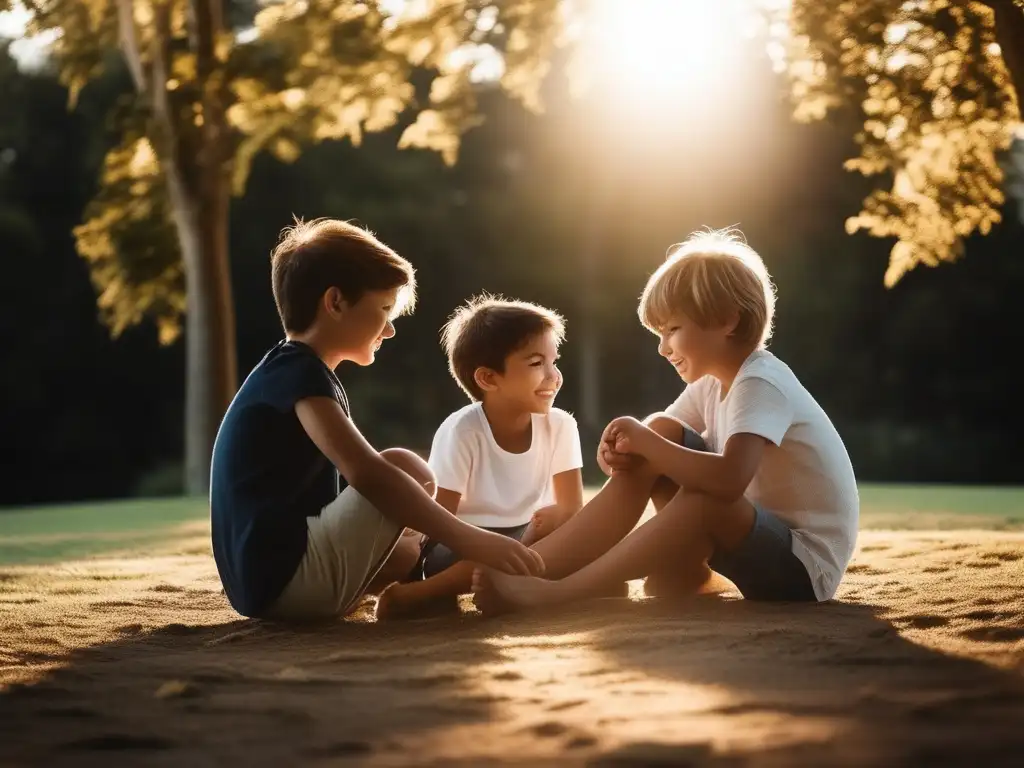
[805, 477]
[501, 489]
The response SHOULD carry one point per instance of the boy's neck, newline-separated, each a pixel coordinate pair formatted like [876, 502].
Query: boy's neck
[730, 365]
[511, 426]
[316, 341]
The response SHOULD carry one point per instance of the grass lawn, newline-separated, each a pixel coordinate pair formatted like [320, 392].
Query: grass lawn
[46, 534]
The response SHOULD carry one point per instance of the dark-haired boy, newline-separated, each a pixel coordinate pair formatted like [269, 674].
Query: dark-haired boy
[509, 462]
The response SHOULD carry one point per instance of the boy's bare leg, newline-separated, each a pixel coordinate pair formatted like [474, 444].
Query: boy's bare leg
[402, 599]
[609, 516]
[401, 560]
[592, 531]
[407, 551]
[674, 579]
[685, 532]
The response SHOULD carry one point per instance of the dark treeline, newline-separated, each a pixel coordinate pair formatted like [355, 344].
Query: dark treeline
[918, 379]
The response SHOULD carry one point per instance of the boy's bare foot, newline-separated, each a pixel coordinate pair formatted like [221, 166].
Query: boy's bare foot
[397, 602]
[495, 592]
[677, 584]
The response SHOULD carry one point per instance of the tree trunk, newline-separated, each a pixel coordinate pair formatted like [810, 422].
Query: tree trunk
[211, 370]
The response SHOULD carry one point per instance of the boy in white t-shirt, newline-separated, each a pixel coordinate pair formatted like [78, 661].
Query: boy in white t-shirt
[748, 474]
[508, 462]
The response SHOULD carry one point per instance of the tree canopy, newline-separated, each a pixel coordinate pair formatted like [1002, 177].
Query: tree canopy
[939, 109]
[278, 75]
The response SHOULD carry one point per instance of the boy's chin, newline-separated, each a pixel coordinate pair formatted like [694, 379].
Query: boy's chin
[543, 406]
[362, 359]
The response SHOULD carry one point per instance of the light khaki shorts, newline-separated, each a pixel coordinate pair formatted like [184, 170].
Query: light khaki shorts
[345, 548]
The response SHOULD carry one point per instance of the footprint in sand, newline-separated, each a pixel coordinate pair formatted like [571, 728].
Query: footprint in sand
[867, 570]
[994, 634]
[117, 742]
[564, 705]
[654, 754]
[549, 729]
[340, 749]
[924, 621]
[113, 604]
[166, 588]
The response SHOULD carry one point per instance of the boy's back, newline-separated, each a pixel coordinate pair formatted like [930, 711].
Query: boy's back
[268, 476]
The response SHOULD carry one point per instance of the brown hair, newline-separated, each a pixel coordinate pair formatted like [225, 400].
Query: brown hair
[486, 330]
[313, 256]
[707, 278]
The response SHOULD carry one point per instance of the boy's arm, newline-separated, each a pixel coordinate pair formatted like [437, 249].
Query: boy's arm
[449, 499]
[568, 488]
[757, 414]
[723, 475]
[389, 488]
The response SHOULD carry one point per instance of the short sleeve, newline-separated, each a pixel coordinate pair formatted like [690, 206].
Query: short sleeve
[689, 406]
[451, 457]
[567, 454]
[298, 377]
[758, 407]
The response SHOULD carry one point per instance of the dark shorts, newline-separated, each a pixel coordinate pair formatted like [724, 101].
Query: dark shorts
[436, 557]
[763, 566]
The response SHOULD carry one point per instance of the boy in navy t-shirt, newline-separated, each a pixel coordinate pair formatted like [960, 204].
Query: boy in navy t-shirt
[305, 513]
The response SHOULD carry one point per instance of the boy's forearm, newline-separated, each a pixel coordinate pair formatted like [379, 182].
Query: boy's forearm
[401, 499]
[699, 471]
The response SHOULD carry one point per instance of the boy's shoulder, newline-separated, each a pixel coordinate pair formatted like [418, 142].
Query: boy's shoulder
[288, 372]
[465, 419]
[765, 365]
[562, 419]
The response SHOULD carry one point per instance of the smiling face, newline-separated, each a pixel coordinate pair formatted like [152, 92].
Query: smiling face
[692, 350]
[530, 380]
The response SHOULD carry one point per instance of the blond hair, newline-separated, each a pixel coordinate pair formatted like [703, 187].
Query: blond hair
[709, 277]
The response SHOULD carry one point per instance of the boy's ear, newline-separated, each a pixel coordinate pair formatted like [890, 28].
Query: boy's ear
[732, 322]
[486, 379]
[334, 302]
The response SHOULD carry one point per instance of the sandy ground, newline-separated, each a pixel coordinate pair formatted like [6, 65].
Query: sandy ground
[140, 661]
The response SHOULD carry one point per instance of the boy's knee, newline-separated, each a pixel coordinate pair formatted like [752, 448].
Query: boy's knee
[412, 465]
[726, 523]
[666, 426]
[672, 429]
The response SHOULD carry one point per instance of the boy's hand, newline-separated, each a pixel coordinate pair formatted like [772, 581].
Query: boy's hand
[547, 519]
[501, 553]
[612, 463]
[620, 444]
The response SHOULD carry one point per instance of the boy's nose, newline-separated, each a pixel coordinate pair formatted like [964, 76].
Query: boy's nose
[389, 330]
[663, 348]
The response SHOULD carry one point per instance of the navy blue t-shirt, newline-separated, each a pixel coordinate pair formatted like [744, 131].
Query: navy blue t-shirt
[267, 476]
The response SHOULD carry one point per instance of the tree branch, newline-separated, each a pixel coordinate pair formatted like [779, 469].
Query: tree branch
[161, 54]
[208, 23]
[130, 43]
[207, 17]
[1009, 22]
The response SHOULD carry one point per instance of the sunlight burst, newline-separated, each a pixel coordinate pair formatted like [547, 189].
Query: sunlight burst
[664, 48]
